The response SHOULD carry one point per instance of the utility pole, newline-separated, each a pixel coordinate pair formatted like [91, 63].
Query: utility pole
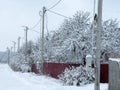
[19, 43]
[8, 52]
[26, 41]
[14, 46]
[42, 44]
[93, 29]
[11, 51]
[98, 45]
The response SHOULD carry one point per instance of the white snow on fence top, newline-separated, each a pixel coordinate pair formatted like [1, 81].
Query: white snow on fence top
[115, 59]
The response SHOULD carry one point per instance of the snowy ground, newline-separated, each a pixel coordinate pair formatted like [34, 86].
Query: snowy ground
[10, 80]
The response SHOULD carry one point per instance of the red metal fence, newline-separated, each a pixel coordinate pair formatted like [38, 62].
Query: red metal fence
[54, 69]
[104, 73]
[34, 69]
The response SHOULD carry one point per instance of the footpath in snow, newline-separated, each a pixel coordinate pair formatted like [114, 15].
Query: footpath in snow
[10, 80]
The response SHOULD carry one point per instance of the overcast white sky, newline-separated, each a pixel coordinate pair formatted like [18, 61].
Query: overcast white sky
[16, 13]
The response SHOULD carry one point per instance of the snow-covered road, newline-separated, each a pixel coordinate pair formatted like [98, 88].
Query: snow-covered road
[10, 80]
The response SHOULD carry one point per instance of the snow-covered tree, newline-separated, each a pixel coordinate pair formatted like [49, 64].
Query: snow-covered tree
[73, 38]
[110, 38]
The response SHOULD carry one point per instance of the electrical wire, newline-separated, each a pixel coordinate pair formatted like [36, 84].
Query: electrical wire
[36, 24]
[47, 24]
[58, 14]
[55, 4]
[34, 30]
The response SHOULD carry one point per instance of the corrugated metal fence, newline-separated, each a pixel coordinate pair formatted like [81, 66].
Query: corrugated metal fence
[54, 69]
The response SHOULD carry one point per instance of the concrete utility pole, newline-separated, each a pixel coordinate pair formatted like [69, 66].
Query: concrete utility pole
[42, 44]
[93, 33]
[98, 45]
[19, 43]
[93, 29]
[11, 51]
[8, 52]
[26, 41]
[14, 46]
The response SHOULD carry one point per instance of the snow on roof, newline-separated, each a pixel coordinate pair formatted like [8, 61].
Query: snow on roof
[115, 59]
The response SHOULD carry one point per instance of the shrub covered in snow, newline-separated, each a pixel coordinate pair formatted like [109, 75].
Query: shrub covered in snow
[17, 63]
[22, 60]
[77, 76]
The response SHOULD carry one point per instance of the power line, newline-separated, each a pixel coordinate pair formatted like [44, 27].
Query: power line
[47, 23]
[36, 24]
[55, 4]
[58, 14]
[34, 30]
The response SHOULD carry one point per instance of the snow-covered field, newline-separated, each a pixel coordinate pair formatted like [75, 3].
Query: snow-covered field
[10, 80]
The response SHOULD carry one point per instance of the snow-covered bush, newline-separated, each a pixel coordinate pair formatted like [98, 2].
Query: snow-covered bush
[18, 63]
[22, 60]
[77, 76]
